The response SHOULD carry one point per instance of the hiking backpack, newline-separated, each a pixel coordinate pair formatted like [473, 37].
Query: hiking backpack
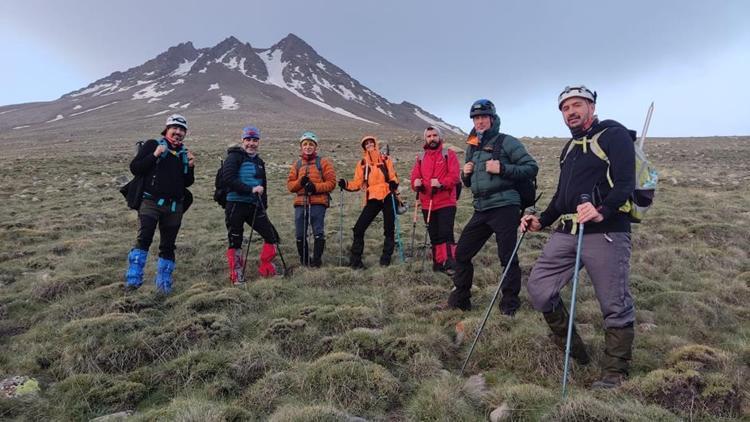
[133, 190]
[459, 184]
[220, 189]
[646, 177]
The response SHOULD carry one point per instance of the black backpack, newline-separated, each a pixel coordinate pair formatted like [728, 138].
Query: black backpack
[133, 190]
[526, 188]
[220, 189]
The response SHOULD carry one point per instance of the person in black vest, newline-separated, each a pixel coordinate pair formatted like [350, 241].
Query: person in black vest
[494, 163]
[167, 168]
[244, 172]
[605, 251]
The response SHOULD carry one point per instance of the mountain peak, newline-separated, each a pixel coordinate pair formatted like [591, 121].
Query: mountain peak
[293, 44]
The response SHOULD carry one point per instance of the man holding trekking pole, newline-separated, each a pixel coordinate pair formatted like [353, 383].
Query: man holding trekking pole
[312, 178]
[494, 164]
[590, 191]
[434, 177]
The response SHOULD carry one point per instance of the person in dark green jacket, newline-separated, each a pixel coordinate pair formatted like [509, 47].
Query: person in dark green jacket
[494, 163]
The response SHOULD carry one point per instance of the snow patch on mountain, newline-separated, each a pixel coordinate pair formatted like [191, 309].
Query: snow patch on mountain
[178, 82]
[275, 68]
[186, 105]
[184, 67]
[21, 127]
[434, 122]
[213, 86]
[228, 103]
[78, 107]
[59, 117]
[173, 105]
[150, 92]
[94, 88]
[94, 109]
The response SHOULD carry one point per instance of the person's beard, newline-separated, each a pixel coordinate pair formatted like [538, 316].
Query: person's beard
[433, 144]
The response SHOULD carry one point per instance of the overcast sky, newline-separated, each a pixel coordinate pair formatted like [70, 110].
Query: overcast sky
[691, 57]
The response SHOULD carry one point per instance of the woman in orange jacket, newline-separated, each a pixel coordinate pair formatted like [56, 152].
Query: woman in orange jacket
[376, 176]
[312, 178]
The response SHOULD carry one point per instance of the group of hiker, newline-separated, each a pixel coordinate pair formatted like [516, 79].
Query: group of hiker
[590, 191]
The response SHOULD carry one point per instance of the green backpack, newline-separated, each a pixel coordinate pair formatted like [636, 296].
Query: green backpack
[646, 176]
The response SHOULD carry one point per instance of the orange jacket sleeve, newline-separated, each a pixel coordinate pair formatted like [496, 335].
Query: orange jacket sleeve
[359, 178]
[293, 180]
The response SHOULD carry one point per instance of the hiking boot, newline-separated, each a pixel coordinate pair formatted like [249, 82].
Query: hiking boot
[267, 254]
[508, 312]
[318, 248]
[608, 381]
[235, 263]
[164, 269]
[558, 323]
[618, 351]
[303, 260]
[355, 262]
[134, 274]
[448, 306]
[385, 260]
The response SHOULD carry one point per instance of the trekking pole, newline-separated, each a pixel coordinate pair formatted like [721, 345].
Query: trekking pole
[413, 228]
[398, 228]
[645, 125]
[584, 198]
[250, 239]
[275, 238]
[426, 229]
[492, 303]
[306, 224]
[341, 228]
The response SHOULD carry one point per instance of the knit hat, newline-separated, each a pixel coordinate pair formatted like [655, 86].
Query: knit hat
[250, 132]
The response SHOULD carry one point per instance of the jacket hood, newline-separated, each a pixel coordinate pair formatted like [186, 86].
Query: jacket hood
[373, 137]
[473, 139]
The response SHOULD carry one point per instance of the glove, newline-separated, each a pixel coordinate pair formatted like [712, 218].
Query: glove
[310, 188]
[342, 183]
[420, 189]
[392, 186]
[304, 180]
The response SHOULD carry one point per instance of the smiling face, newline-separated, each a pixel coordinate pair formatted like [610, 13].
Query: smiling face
[250, 145]
[369, 145]
[578, 113]
[175, 133]
[308, 147]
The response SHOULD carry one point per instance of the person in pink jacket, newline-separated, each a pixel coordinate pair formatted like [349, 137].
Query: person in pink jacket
[435, 178]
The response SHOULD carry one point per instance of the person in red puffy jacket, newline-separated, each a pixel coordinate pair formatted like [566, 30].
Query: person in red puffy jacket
[435, 177]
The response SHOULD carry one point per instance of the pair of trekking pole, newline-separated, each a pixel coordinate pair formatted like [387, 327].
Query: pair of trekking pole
[571, 318]
[307, 222]
[426, 228]
[275, 238]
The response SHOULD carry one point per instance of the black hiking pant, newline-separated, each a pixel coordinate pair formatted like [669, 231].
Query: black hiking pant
[503, 222]
[236, 214]
[368, 214]
[441, 225]
[149, 216]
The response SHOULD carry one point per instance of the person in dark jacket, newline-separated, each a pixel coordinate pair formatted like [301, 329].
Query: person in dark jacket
[168, 169]
[434, 177]
[606, 246]
[244, 173]
[494, 163]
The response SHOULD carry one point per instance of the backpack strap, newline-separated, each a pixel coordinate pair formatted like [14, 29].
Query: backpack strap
[497, 148]
[180, 153]
[593, 143]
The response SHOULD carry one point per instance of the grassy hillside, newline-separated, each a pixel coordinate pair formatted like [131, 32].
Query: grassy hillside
[333, 343]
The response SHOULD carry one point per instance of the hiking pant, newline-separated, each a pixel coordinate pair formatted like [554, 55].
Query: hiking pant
[369, 212]
[606, 257]
[503, 222]
[149, 216]
[236, 214]
[316, 221]
[441, 225]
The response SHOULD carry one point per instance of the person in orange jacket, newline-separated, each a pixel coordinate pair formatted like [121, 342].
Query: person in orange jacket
[312, 178]
[377, 177]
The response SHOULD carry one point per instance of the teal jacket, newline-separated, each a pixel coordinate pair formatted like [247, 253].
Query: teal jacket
[497, 190]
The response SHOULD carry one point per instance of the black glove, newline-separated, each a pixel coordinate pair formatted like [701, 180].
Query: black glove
[420, 188]
[310, 188]
[342, 183]
[392, 186]
[304, 180]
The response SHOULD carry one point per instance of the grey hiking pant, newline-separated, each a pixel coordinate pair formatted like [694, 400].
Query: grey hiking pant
[606, 257]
